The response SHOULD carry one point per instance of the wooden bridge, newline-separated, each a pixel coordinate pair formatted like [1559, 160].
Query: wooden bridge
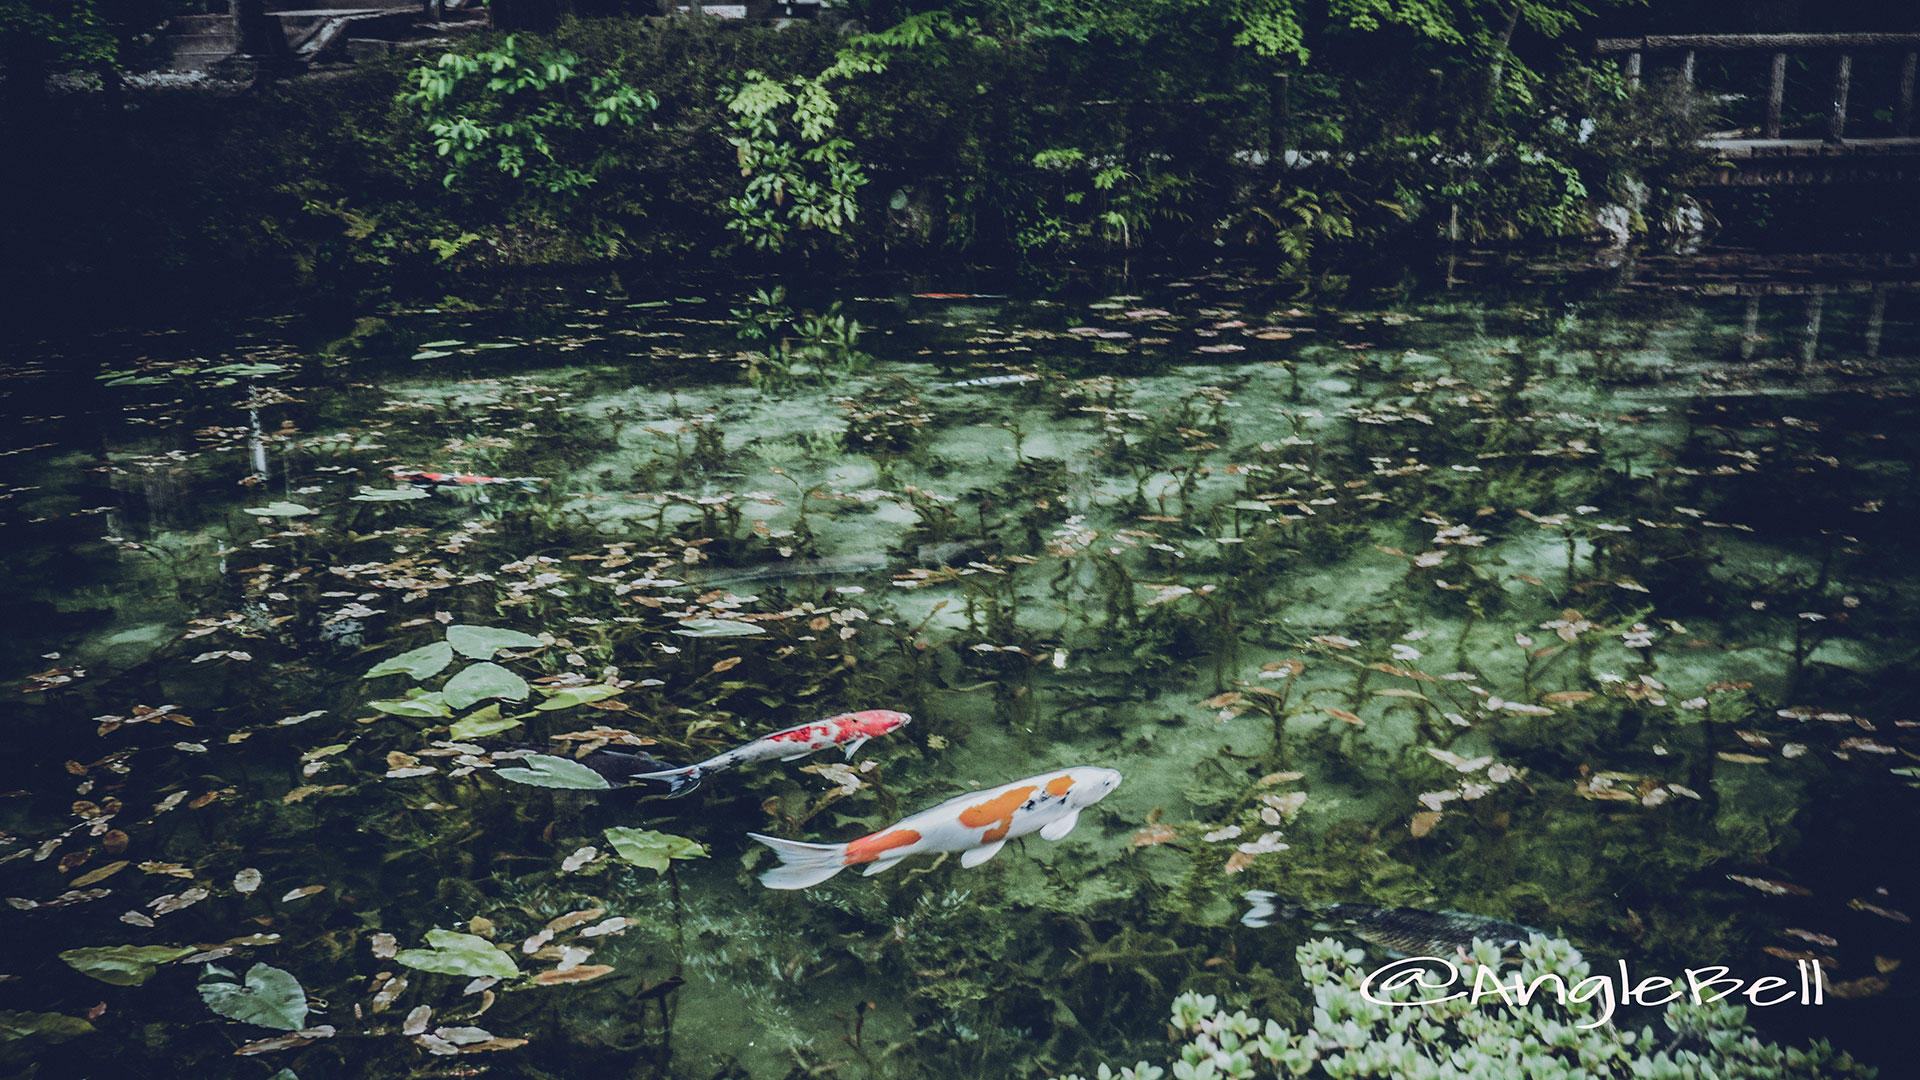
[1852, 148]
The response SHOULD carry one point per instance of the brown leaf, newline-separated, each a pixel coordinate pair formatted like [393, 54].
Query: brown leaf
[285, 1042]
[1775, 888]
[1221, 701]
[1424, 821]
[1342, 714]
[728, 664]
[1741, 759]
[579, 974]
[1567, 697]
[1238, 861]
[575, 918]
[1794, 954]
[1885, 913]
[1859, 988]
[1155, 834]
[102, 874]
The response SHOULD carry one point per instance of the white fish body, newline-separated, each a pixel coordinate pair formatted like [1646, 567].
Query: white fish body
[848, 730]
[978, 824]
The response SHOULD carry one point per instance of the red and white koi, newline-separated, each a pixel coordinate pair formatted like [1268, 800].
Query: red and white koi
[851, 730]
[423, 478]
[977, 824]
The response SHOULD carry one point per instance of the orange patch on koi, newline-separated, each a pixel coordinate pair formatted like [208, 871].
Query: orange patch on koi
[868, 848]
[996, 814]
[1060, 785]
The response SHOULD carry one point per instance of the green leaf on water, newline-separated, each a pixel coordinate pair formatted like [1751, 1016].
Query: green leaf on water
[405, 494]
[423, 662]
[417, 702]
[430, 354]
[569, 696]
[481, 723]
[453, 953]
[481, 642]
[279, 509]
[57, 1027]
[652, 850]
[717, 628]
[478, 682]
[556, 772]
[447, 344]
[123, 965]
[270, 997]
[245, 370]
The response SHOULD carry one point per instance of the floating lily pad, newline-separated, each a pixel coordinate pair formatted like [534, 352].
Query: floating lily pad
[568, 697]
[447, 344]
[279, 509]
[405, 494]
[477, 682]
[717, 628]
[417, 702]
[123, 965]
[421, 663]
[481, 642]
[270, 997]
[55, 1027]
[652, 850]
[556, 772]
[431, 354]
[454, 953]
[481, 723]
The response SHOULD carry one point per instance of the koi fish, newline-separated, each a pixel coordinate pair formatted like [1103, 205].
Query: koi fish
[978, 824]
[851, 730]
[989, 380]
[1406, 931]
[432, 479]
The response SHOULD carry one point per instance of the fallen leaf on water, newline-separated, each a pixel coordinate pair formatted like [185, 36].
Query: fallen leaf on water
[1741, 759]
[1342, 714]
[1238, 861]
[1154, 834]
[302, 892]
[1885, 913]
[102, 874]
[417, 1020]
[1810, 936]
[572, 919]
[385, 945]
[1859, 988]
[1567, 697]
[1424, 821]
[1278, 778]
[246, 880]
[1796, 955]
[728, 664]
[579, 974]
[285, 1042]
[1774, 888]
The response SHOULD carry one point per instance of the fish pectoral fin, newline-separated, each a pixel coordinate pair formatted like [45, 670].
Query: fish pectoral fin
[856, 744]
[981, 854]
[1057, 830]
[796, 757]
[879, 865]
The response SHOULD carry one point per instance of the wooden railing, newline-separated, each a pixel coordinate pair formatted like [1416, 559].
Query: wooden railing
[1843, 46]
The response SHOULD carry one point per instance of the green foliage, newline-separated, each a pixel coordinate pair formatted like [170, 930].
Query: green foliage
[477, 682]
[799, 174]
[123, 965]
[482, 642]
[544, 770]
[1380, 1032]
[522, 108]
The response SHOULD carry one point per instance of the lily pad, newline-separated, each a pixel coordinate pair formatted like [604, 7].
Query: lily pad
[279, 509]
[57, 1027]
[481, 723]
[421, 663]
[568, 697]
[446, 344]
[405, 494]
[556, 772]
[717, 628]
[454, 953]
[431, 354]
[123, 965]
[652, 850]
[481, 642]
[478, 682]
[417, 702]
[270, 997]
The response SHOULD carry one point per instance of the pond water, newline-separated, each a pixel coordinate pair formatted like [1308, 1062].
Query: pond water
[1571, 596]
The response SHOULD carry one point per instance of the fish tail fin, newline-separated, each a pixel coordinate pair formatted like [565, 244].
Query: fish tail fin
[1266, 908]
[679, 781]
[801, 864]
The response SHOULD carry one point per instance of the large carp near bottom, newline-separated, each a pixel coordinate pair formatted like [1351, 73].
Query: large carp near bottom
[978, 823]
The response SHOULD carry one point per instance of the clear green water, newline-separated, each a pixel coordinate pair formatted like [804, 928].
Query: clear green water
[1601, 583]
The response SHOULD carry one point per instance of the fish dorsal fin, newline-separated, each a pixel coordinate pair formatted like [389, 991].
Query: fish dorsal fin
[981, 854]
[855, 745]
[879, 865]
[1056, 830]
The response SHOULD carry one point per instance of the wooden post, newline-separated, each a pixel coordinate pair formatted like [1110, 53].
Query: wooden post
[1776, 93]
[1842, 79]
[1633, 70]
[1903, 112]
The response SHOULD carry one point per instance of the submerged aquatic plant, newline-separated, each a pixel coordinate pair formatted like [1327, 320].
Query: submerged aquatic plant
[1362, 1029]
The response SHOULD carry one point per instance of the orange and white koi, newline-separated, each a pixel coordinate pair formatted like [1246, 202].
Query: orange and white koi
[977, 824]
[851, 730]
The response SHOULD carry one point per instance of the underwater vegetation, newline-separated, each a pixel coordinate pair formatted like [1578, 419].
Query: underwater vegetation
[1574, 604]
